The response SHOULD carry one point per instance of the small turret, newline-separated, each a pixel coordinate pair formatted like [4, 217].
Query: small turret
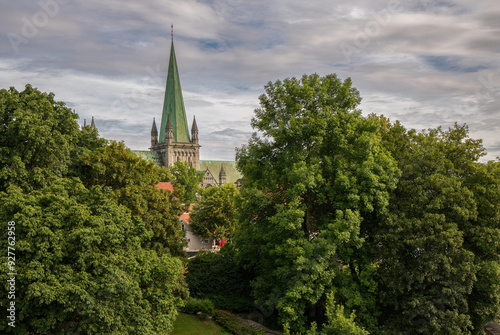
[154, 134]
[222, 176]
[92, 124]
[194, 131]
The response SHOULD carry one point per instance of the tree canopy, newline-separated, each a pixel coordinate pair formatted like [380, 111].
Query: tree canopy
[315, 169]
[439, 243]
[37, 137]
[81, 267]
[403, 227]
[216, 213]
[95, 237]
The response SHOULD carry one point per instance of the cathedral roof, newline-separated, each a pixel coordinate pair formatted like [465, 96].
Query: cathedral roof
[173, 104]
[232, 174]
[153, 156]
[229, 167]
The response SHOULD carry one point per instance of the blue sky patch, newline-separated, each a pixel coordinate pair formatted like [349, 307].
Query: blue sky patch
[450, 64]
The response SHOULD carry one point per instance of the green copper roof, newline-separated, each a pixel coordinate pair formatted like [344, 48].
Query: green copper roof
[173, 104]
[232, 174]
[153, 156]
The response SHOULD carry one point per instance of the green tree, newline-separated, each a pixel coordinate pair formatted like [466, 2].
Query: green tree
[216, 213]
[439, 243]
[133, 180]
[37, 137]
[482, 237]
[337, 322]
[80, 265]
[315, 170]
[186, 181]
[218, 276]
[86, 214]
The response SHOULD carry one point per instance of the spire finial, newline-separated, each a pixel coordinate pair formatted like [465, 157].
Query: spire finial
[172, 31]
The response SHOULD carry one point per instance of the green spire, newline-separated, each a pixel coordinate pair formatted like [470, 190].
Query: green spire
[173, 104]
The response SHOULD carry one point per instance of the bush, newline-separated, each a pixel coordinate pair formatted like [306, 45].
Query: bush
[219, 277]
[233, 323]
[193, 306]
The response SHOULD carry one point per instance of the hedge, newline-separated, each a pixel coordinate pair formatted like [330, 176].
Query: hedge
[233, 323]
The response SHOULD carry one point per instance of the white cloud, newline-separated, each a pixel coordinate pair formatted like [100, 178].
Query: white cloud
[426, 63]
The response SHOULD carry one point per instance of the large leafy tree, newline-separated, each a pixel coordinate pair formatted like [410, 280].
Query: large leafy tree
[439, 243]
[312, 172]
[37, 137]
[87, 214]
[216, 213]
[80, 265]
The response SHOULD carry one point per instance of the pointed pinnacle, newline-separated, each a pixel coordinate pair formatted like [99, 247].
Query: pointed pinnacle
[194, 127]
[154, 129]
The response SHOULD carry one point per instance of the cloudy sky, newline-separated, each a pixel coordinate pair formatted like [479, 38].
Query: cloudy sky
[426, 63]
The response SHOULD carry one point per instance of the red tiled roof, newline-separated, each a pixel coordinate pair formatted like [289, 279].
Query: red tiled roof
[185, 217]
[165, 186]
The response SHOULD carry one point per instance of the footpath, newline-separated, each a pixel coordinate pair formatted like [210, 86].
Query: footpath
[256, 326]
[492, 328]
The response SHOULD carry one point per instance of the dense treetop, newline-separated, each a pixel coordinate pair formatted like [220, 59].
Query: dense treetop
[95, 237]
[37, 138]
[402, 226]
[216, 214]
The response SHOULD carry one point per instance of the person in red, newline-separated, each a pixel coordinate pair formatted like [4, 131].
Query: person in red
[222, 242]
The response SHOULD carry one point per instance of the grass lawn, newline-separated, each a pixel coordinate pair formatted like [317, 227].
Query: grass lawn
[191, 325]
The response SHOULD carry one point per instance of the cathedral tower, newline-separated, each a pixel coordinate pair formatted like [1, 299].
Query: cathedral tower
[173, 142]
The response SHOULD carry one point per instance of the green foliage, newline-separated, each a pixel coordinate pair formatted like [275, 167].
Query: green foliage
[315, 171]
[358, 291]
[115, 166]
[81, 267]
[439, 243]
[232, 322]
[403, 226]
[186, 181]
[36, 139]
[193, 306]
[132, 180]
[86, 213]
[338, 323]
[219, 277]
[216, 213]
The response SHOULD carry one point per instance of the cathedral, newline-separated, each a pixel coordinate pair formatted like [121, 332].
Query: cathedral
[174, 142]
